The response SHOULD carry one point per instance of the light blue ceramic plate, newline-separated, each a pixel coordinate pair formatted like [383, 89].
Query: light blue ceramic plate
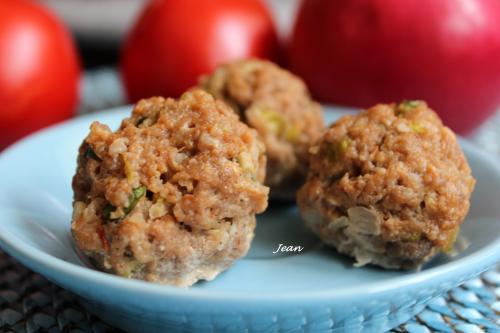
[314, 291]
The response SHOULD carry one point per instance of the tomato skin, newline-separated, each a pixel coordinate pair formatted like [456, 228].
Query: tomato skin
[175, 41]
[39, 70]
[362, 52]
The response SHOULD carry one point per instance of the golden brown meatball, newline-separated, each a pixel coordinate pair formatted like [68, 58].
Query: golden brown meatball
[389, 186]
[171, 196]
[277, 104]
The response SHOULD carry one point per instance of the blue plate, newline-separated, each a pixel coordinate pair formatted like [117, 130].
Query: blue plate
[315, 290]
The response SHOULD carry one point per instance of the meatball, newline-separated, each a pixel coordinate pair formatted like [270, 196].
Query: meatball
[277, 104]
[171, 196]
[389, 186]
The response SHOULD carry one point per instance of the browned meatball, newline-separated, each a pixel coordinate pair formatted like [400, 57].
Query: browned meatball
[389, 186]
[171, 196]
[277, 104]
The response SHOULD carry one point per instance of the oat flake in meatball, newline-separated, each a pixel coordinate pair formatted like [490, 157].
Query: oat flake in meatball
[171, 196]
[389, 186]
[278, 105]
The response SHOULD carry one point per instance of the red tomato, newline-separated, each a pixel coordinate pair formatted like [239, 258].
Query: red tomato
[39, 70]
[361, 52]
[175, 41]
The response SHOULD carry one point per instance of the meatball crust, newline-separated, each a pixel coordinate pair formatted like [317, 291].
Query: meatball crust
[171, 196]
[278, 105]
[389, 186]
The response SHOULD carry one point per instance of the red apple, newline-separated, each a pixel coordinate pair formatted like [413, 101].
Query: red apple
[176, 41]
[362, 52]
